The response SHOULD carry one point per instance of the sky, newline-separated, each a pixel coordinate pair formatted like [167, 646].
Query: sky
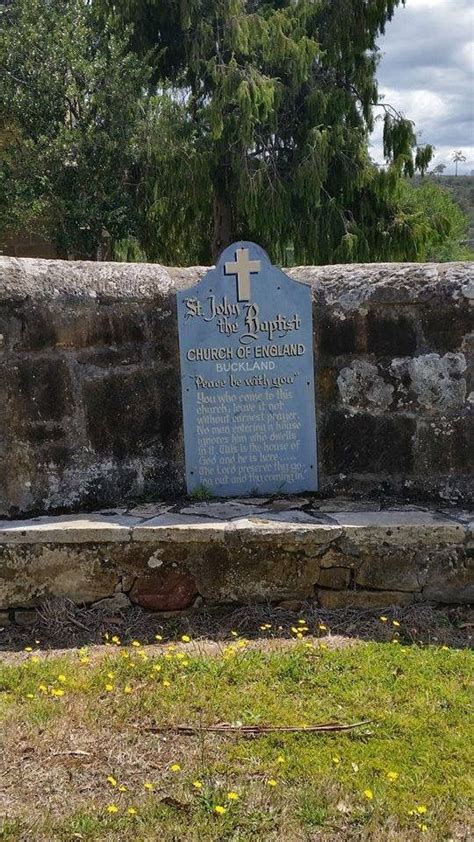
[427, 72]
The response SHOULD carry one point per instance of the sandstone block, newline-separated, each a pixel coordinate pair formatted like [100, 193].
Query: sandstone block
[336, 578]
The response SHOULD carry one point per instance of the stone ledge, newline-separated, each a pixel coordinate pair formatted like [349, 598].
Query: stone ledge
[164, 557]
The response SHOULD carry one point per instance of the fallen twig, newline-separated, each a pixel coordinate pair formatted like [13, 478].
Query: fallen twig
[255, 730]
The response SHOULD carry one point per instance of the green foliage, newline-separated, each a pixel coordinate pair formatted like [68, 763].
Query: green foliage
[278, 100]
[69, 100]
[441, 226]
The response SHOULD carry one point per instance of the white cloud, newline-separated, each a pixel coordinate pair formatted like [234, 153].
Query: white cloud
[425, 71]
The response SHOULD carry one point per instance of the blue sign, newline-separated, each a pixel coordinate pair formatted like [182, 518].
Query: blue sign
[247, 374]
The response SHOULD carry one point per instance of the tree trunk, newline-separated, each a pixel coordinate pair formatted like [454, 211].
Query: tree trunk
[223, 224]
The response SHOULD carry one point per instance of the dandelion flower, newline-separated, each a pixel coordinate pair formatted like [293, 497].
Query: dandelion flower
[34, 659]
[185, 663]
[116, 640]
[112, 808]
[111, 780]
[28, 649]
[368, 794]
[299, 635]
[421, 809]
[149, 786]
[110, 675]
[220, 810]
[127, 689]
[392, 776]
[395, 623]
[158, 637]
[175, 767]
[302, 622]
[157, 667]
[109, 687]
[42, 688]
[272, 782]
[280, 759]
[84, 659]
[122, 788]
[29, 696]
[131, 811]
[56, 691]
[166, 683]
[233, 796]
[423, 827]
[234, 633]
[62, 679]
[185, 638]
[136, 643]
[197, 784]
[322, 627]
[336, 760]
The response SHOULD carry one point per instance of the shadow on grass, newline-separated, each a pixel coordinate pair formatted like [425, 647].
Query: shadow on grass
[60, 623]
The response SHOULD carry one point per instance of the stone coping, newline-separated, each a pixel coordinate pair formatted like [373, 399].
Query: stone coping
[217, 520]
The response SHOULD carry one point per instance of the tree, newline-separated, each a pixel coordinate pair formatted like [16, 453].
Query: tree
[269, 105]
[70, 102]
[441, 224]
[438, 169]
[458, 157]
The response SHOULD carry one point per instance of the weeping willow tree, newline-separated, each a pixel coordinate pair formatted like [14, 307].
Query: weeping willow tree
[261, 129]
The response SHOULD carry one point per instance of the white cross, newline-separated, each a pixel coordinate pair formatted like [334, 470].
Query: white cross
[243, 268]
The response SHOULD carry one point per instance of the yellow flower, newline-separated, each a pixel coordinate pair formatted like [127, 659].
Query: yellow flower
[322, 627]
[220, 810]
[29, 696]
[158, 637]
[272, 782]
[392, 776]
[110, 675]
[234, 634]
[116, 640]
[421, 809]
[157, 667]
[56, 691]
[336, 760]
[175, 767]
[122, 788]
[149, 786]
[131, 811]
[185, 663]
[280, 759]
[446, 648]
[368, 794]
[299, 635]
[84, 660]
[232, 796]
[112, 808]
[294, 630]
[28, 649]
[395, 623]
[180, 656]
[383, 619]
[34, 659]
[166, 683]
[111, 780]
[185, 638]
[197, 784]
[109, 687]
[302, 622]
[136, 643]
[62, 678]
[42, 688]
[423, 827]
[128, 689]
[168, 657]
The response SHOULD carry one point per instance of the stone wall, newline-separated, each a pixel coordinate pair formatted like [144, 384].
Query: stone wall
[90, 412]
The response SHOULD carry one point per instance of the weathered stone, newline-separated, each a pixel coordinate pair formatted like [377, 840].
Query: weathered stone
[390, 569]
[26, 618]
[41, 391]
[361, 386]
[112, 604]
[450, 577]
[68, 529]
[391, 334]
[363, 599]
[359, 443]
[122, 412]
[168, 590]
[343, 504]
[433, 382]
[4, 619]
[444, 445]
[291, 605]
[335, 558]
[403, 528]
[31, 573]
[334, 577]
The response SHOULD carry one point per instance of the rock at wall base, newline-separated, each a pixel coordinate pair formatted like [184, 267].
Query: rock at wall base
[169, 590]
[362, 599]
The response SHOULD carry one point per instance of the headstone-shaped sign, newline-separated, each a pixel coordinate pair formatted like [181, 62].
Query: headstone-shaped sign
[246, 346]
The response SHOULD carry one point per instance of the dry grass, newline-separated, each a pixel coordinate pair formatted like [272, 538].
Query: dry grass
[59, 750]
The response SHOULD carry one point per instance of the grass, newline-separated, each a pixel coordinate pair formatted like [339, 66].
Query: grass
[72, 722]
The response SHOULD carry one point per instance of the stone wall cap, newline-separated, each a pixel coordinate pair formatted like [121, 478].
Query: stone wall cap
[67, 529]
